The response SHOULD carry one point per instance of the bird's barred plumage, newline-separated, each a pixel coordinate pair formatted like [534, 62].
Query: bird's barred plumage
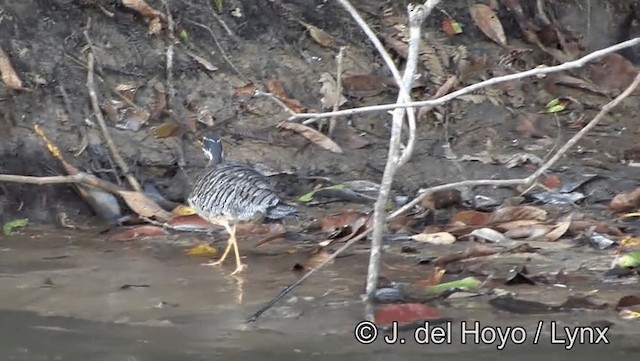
[236, 192]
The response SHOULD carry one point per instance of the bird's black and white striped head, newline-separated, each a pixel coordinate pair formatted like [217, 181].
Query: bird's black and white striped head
[212, 148]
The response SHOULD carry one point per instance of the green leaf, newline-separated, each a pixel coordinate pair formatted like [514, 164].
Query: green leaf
[556, 108]
[631, 259]
[457, 27]
[218, 4]
[8, 227]
[552, 103]
[305, 198]
[184, 36]
[466, 283]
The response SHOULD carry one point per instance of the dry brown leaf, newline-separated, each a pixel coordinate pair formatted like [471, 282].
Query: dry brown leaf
[314, 260]
[320, 36]
[245, 92]
[202, 61]
[145, 10]
[486, 234]
[144, 206]
[507, 226]
[626, 201]
[439, 238]
[488, 22]
[470, 218]
[362, 85]
[357, 141]
[275, 87]
[613, 72]
[329, 91]
[313, 135]
[9, 75]
[531, 231]
[558, 231]
[515, 213]
[442, 199]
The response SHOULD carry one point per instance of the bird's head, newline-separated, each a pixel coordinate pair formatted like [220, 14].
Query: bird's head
[212, 148]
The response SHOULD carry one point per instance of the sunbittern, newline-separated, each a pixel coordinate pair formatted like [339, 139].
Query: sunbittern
[227, 193]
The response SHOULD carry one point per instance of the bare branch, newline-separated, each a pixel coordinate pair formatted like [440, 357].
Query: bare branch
[466, 90]
[171, 91]
[103, 126]
[416, 18]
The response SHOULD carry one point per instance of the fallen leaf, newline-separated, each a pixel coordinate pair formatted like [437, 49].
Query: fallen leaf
[626, 201]
[329, 91]
[202, 250]
[144, 9]
[131, 233]
[514, 213]
[530, 232]
[439, 238]
[9, 75]
[275, 87]
[338, 221]
[7, 228]
[313, 135]
[357, 141]
[487, 234]
[404, 314]
[558, 231]
[320, 36]
[470, 218]
[451, 27]
[202, 61]
[612, 72]
[487, 20]
[313, 261]
[628, 260]
[468, 283]
[166, 130]
[143, 205]
[244, 92]
[183, 210]
[442, 199]
[307, 197]
[362, 85]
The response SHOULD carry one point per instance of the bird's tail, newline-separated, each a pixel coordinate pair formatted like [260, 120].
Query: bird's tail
[281, 210]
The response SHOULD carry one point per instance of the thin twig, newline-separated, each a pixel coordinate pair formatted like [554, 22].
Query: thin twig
[466, 90]
[222, 52]
[336, 104]
[103, 126]
[417, 15]
[170, 25]
[220, 21]
[470, 183]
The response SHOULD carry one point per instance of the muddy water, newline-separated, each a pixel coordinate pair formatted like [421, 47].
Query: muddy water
[76, 297]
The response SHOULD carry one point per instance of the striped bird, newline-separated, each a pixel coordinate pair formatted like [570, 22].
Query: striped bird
[227, 193]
